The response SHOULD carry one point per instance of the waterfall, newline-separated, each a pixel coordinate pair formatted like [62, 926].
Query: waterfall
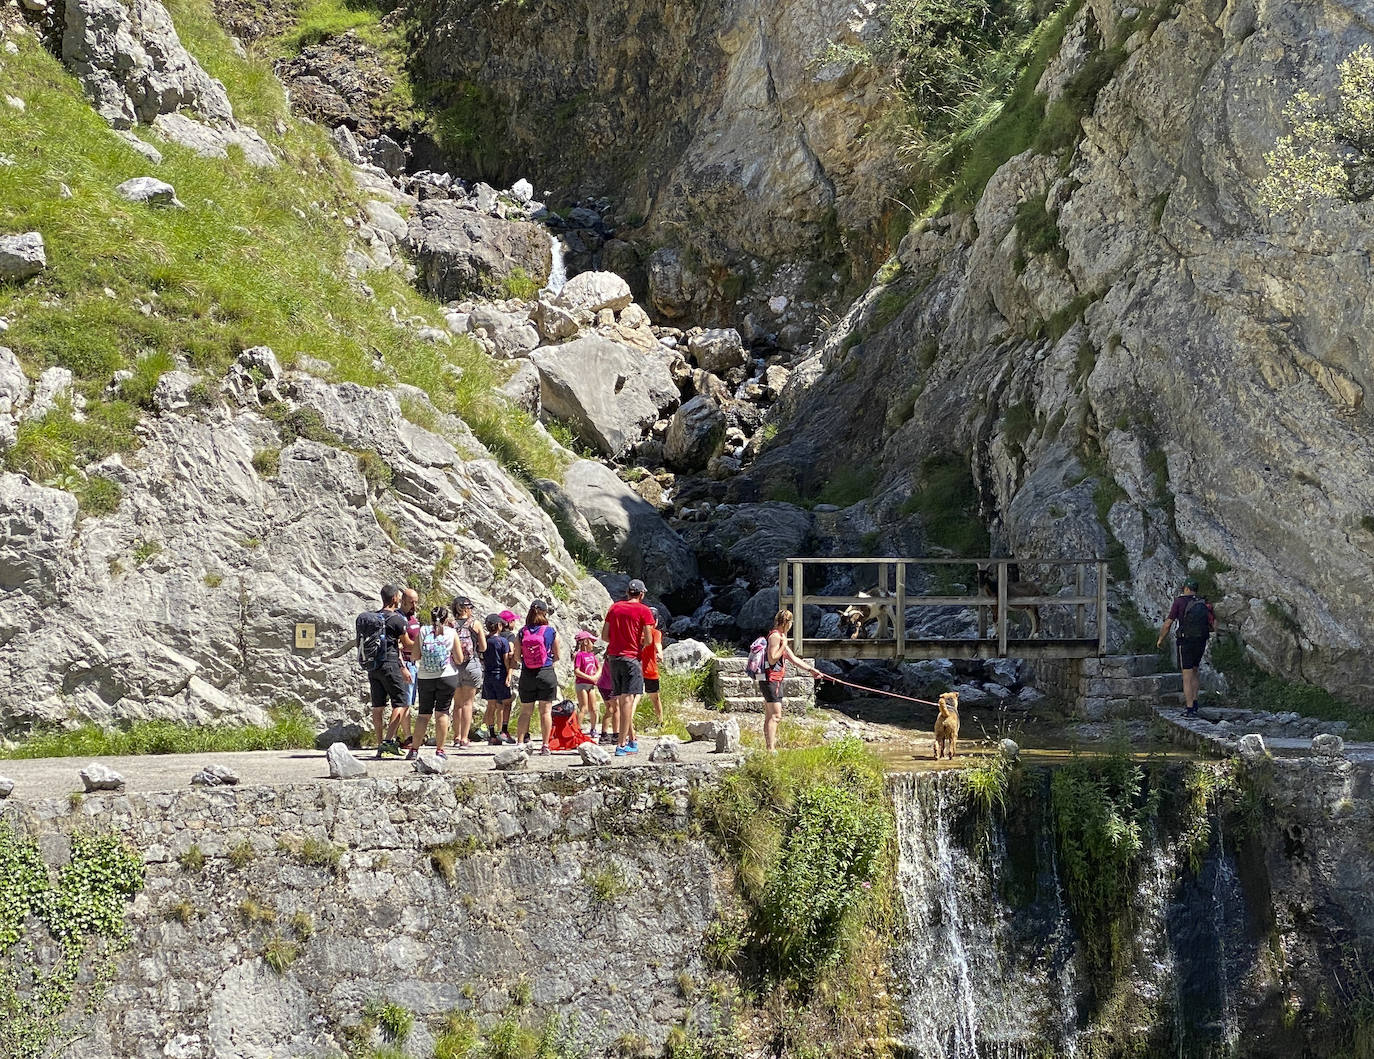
[558, 271]
[979, 986]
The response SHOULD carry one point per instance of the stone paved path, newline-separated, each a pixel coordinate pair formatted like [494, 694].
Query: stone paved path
[56, 777]
[1200, 732]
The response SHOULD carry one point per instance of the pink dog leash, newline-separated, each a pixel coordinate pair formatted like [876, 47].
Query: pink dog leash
[876, 691]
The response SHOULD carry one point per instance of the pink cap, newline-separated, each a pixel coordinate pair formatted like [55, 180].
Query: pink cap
[583, 634]
[508, 615]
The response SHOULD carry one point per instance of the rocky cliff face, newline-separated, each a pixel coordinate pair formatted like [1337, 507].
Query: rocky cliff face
[738, 154]
[1158, 349]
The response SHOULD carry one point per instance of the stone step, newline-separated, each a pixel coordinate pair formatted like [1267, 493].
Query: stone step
[1118, 666]
[733, 665]
[798, 687]
[754, 704]
[1144, 687]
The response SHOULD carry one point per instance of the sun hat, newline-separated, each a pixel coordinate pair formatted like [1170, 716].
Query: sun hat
[583, 634]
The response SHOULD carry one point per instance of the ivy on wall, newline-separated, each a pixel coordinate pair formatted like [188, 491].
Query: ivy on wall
[48, 985]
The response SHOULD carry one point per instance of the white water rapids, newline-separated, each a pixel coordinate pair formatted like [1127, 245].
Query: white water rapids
[558, 271]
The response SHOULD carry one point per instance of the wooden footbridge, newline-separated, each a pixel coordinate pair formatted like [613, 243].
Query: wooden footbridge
[1066, 599]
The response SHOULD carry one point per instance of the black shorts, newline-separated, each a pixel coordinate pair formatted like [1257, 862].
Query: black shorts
[538, 685]
[388, 688]
[1190, 653]
[771, 689]
[436, 694]
[627, 676]
[651, 685]
[494, 689]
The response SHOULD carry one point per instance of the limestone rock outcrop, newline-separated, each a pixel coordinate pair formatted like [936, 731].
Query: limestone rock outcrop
[459, 251]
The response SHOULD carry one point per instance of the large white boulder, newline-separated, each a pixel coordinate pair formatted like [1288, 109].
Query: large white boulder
[608, 393]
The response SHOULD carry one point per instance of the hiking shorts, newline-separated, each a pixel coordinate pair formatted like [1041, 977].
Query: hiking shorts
[435, 694]
[772, 690]
[651, 685]
[494, 689]
[388, 688]
[413, 688]
[538, 685]
[470, 675]
[627, 676]
[1190, 653]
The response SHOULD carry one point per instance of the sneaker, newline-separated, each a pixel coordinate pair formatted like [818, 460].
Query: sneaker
[441, 754]
[1191, 711]
[391, 748]
[494, 741]
[623, 751]
[381, 747]
[413, 755]
[633, 748]
[544, 751]
[609, 739]
[507, 739]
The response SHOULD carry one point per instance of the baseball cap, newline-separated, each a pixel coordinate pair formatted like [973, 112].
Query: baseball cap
[1192, 583]
[459, 602]
[492, 619]
[538, 604]
[508, 615]
[583, 634]
[636, 588]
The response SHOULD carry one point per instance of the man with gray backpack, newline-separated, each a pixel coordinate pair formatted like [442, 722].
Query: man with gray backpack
[383, 635]
[1195, 620]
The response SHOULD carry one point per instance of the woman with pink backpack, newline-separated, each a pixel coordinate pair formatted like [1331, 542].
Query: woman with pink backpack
[539, 648]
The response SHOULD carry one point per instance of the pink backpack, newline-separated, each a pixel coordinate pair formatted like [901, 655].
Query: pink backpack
[536, 645]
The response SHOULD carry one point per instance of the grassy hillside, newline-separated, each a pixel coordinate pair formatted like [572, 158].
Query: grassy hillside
[255, 258]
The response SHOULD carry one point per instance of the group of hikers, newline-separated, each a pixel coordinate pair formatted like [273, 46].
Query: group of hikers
[438, 667]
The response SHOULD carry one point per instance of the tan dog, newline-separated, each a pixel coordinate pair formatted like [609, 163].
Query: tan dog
[947, 726]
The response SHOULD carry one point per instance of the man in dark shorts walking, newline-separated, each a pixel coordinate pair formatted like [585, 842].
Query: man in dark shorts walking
[1195, 621]
[627, 630]
[389, 683]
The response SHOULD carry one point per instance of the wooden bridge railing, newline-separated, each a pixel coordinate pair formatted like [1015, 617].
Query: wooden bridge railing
[889, 601]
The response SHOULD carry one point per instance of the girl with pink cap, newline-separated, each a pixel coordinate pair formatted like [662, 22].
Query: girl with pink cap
[587, 670]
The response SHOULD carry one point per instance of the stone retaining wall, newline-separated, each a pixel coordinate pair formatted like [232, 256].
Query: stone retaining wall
[568, 892]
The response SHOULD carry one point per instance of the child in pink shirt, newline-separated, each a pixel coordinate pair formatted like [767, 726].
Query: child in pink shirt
[587, 669]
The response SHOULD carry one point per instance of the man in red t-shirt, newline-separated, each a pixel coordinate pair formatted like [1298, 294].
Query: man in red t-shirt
[627, 630]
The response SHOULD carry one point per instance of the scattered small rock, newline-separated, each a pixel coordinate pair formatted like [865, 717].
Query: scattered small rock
[666, 750]
[727, 737]
[511, 759]
[1252, 747]
[1008, 749]
[148, 190]
[215, 776]
[6, 787]
[342, 764]
[430, 764]
[22, 256]
[704, 730]
[1328, 745]
[98, 777]
[594, 754]
[340, 730]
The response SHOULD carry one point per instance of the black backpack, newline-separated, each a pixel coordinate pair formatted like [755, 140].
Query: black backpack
[371, 630]
[1195, 622]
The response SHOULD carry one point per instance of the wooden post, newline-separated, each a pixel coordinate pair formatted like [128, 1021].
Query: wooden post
[899, 611]
[783, 590]
[1002, 608]
[982, 609]
[797, 609]
[1101, 608]
[1080, 622]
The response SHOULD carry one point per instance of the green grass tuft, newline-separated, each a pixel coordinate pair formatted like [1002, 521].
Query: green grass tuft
[290, 729]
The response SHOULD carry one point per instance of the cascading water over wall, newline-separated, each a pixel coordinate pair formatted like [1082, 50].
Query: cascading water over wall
[993, 957]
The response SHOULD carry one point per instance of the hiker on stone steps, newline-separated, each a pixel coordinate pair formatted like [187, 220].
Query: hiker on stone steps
[1196, 620]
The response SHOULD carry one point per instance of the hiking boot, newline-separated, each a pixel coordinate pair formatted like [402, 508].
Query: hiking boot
[494, 741]
[390, 748]
[507, 739]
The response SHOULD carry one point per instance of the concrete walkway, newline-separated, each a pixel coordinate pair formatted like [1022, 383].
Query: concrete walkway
[56, 777]
[1201, 734]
